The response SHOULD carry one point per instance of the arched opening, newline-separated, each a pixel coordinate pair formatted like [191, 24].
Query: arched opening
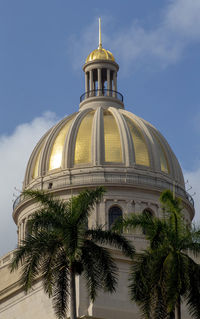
[114, 213]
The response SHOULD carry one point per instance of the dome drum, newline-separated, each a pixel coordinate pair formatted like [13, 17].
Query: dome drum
[115, 181]
[128, 199]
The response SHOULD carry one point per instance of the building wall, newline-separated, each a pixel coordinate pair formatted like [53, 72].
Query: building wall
[15, 304]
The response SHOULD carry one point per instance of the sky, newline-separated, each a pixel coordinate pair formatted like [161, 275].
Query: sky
[43, 46]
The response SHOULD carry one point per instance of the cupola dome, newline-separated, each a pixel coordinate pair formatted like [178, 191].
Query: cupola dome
[100, 54]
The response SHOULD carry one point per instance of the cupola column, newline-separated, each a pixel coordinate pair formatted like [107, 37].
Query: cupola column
[114, 84]
[91, 82]
[86, 83]
[108, 82]
[99, 82]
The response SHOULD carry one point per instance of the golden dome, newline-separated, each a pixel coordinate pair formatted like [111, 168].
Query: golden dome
[100, 54]
[71, 144]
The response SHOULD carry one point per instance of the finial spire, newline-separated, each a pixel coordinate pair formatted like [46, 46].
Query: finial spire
[100, 43]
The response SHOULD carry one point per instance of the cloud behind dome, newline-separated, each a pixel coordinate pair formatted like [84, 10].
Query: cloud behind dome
[15, 150]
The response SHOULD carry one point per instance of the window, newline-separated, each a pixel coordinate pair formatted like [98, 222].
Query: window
[114, 213]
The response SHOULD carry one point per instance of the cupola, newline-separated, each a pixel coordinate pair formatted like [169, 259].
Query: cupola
[101, 78]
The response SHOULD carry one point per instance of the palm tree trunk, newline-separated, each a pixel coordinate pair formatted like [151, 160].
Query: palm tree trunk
[178, 308]
[72, 295]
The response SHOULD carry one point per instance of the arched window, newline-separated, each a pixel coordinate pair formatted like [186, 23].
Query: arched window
[114, 213]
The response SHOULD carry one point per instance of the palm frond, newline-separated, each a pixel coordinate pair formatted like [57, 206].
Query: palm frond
[44, 219]
[109, 237]
[159, 304]
[140, 286]
[90, 273]
[61, 288]
[82, 204]
[50, 265]
[30, 270]
[46, 199]
[133, 221]
[193, 295]
[170, 203]
[99, 268]
[18, 257]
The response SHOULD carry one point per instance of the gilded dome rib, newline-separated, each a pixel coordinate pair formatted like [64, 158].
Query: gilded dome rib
[57, 149]
[36, 167]
[82, 154]
[139, 144]
[112, 141]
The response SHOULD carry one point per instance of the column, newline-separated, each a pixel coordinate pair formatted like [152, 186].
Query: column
[99, 82]
[114, 84]
[86, 84]
[108, 83]
[91, 83]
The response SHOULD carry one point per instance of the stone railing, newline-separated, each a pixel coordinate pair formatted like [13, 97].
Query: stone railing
[102, 92]
[103, 178]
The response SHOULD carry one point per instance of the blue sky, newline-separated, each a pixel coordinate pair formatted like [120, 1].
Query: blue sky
[43, 45]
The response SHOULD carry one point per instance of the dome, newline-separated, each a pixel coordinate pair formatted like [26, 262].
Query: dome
[103, 144]
[101, 139]
[100, 54]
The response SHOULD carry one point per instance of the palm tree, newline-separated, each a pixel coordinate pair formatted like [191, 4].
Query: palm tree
[58, 246]
[165, 274]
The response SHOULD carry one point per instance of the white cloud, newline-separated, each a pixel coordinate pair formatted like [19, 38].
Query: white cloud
[182, 16]
[15, 150]
[177, 27]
